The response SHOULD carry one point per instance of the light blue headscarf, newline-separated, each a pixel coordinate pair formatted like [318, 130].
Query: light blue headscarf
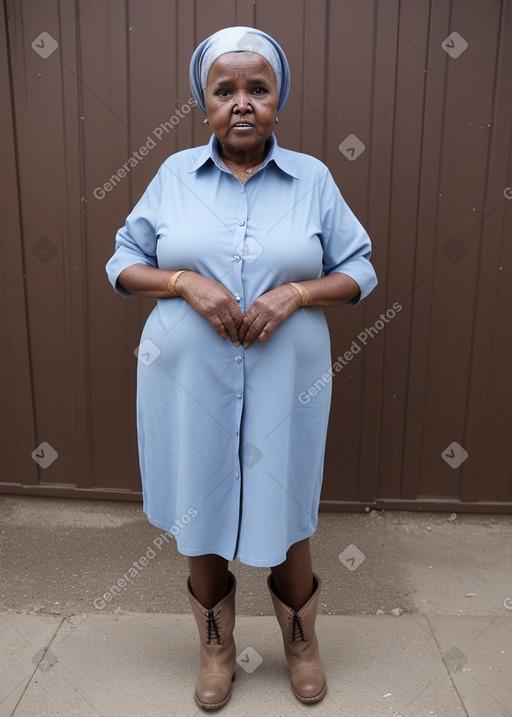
[238, 39]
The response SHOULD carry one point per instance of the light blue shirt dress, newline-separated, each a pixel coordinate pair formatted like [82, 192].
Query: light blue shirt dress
[231, 458]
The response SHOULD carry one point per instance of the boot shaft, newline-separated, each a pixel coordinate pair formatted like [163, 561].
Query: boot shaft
[297, 626]
[215, 625]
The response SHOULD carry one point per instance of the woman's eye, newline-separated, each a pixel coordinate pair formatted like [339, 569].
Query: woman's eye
[223, 93]
[260, 90]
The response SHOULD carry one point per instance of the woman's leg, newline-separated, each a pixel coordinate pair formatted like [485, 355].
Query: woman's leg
[211, 585]
[208, 579]
[293, 579]
[295, 593]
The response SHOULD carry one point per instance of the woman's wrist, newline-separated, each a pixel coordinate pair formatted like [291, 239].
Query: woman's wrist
[301, 292]
[331, 290]
[171, 284]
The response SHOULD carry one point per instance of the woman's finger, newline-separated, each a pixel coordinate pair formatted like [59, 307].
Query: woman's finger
[266, 314]
[231, 326]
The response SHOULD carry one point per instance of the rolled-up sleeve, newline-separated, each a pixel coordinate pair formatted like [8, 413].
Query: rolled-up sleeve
[136, 241]
[346, 245]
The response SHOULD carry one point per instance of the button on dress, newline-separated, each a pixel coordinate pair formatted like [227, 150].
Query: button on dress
[231, 455]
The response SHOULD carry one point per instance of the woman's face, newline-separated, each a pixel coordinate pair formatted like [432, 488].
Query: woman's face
[241, 101]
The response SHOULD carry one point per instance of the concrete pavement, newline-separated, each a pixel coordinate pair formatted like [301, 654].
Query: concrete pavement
[415, 617]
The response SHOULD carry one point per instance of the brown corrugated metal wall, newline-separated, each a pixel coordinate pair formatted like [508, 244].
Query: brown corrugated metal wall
[409, 104]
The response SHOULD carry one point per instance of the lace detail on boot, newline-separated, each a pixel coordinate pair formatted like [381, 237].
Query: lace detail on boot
[296, 628]
[212, 629]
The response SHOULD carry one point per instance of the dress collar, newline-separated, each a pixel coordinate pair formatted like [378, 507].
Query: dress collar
[210, 152]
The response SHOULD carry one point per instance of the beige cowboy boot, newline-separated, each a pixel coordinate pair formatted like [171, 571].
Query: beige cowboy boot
[301, 644]
[218, 652]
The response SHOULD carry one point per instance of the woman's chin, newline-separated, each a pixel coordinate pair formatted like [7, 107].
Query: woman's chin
[243, 141]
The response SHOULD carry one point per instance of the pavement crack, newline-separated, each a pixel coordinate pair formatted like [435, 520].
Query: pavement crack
[37, 663]
[450, 676]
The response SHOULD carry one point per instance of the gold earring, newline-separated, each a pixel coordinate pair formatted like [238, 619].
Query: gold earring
[205, 121]
[277, 120]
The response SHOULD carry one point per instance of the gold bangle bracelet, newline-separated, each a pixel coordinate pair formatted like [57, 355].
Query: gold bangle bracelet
[171, 284]
[304, 293]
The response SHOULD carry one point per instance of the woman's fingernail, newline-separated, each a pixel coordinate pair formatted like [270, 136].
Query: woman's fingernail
[237, 343]
[246, 344]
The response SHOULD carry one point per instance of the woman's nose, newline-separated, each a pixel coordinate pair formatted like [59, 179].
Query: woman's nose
[242, 103]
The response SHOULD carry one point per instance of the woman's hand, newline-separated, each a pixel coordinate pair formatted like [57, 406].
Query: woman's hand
[213, 301]
[267, 312]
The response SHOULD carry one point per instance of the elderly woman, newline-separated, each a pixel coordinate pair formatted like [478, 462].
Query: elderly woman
[242, 243]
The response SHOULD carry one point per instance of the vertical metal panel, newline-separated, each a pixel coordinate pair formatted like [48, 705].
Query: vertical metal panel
[350, 112]
[390, 188]
[16, 410]
[429, 186]
[100, 34]
[489, 415]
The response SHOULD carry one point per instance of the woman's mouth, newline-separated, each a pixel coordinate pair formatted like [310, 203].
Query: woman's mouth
[242, 126]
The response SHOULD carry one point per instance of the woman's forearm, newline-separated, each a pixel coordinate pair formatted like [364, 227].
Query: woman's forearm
[331, 290]
[143, 280]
